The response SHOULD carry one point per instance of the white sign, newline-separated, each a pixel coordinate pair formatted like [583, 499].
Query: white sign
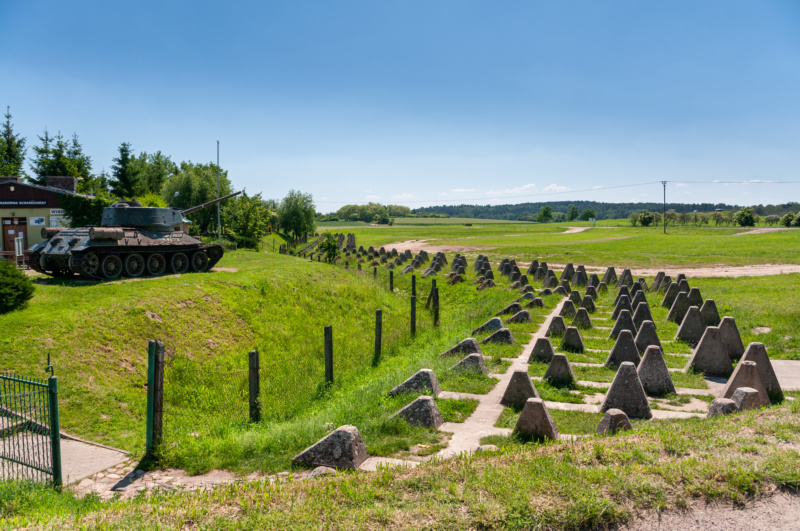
[59, 221]
[57, 212]
[19, 246]
[38, 222]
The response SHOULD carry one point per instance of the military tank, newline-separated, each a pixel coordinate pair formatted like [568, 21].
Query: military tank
[131, 241]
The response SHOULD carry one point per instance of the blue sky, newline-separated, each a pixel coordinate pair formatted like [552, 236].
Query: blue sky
[420, 103]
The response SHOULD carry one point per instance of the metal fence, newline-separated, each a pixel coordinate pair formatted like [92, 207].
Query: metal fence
[30, 439]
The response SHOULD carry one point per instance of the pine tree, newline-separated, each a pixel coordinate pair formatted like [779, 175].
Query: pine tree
[125, 179]
[58, 157]
[12, 149]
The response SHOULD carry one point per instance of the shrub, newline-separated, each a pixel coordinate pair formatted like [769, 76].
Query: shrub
[646, 218]
[16, 289]
[634, 219]
[771, 220]
[787, 219]
[796, 221]
[745, 217]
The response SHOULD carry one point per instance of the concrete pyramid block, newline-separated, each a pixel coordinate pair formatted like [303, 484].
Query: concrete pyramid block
[680, 278]
[622, 291]
[520, 389]
[731, 338]
[542, 351]
[709, 313]
[559, 373]
[422, 412]
[710, 356]
[625, 279]
[748, 398]
[624, 349]
[653, 373]
[533, 267]
[679, 308]
[545, 292]
[757, 353]
[465, 346]
[342, 448]
[641, 314]
[745, 375]
[566, 285]
[610, 276]
[588, 304]
[488, 283]
[646, 336]
[535, 303]
[560, 291]
[523, 279]
[636, 288]
[520, 317]
[525, 297]
[624, 322]
[665, 283]
[580, 278]
[572, 341]
[493, 324]
[514, 276]
[594, 281]
[657, 281]
[527, 289]
[502, 337]
[473, 362]
[514, 286]
[720, 407]
[695, 299]
[535, 421]
[557, 327]
[567, 310]
[569, 270]
[637, 299]
[624, 303]
[582, 319]
[511, 309]
[420, 382]
[550, 282]
[626, 393]
[602, 288]
[692, 326]
[669, 296]
[575, 297]
[615, 420]
[539, 274]
[489, 274]
[591, 291]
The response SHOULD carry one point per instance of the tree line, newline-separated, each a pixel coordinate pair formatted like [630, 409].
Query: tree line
[152, 179]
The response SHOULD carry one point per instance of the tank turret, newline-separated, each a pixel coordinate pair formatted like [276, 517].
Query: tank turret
[133, 214]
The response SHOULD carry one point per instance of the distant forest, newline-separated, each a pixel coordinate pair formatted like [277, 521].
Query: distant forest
[601, 210]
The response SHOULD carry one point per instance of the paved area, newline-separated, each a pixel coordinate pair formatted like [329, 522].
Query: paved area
[788, 373]
[80, 460]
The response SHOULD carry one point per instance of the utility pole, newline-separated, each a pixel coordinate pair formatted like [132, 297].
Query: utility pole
[664, 219]
[219, 223]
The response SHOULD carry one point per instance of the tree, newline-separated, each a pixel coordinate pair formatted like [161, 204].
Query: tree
[125, 179]
[796, 221]
[59, 157]
[646, 218]
[787, 219]
[772, 220]
[246, 218]
[196, 183]
[587, 214]
[558, 217]
[717, 218]
[12, 149]
[573, 213]
[329, 246]
[545, 214]
[633, 218]
[657, 218]
[153, 170]
[398, 211]
[670, 216]
[684, 218]
[16, 288]
[85, 212]
[745, 217]
[296, 213]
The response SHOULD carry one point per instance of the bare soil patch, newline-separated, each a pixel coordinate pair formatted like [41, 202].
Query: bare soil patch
[416, 246]
[225, 269]
[765, 230]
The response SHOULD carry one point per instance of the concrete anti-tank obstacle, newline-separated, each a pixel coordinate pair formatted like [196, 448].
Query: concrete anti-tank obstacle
[514, 276]
[637, 299]
[624, 322]
[624, 303]
[669, 296]
[625, 279]
[488, 283]
[502, 337]
[575, 297]
[535, 421]
[421, 381]
[539, 275]
[626, 393]
[566, 285]
[582, 319]
[748, 398]
[624, 349]
[653, 373]
[542, 351]
[560, 291]
[657, 281]
[545, 292]
[614, 421]
[422, 412]
[342, 448]
[489, 274]
[511, 309]
[679, 308]
[569, 270]
[493, 324]
[465, 346]
[523, 279]
[593, 281]
[665, 283]
[520, 317]
[746, 375]
[535, 303]
[602, 288]
[533, 267]
[610, 276]
[557, 327]
[709, 313]
[514, 286]
[580, 278]
[567, 310]
[757, 353]
[720, 407]
[641, 314]
[680, 277]
[520, 388]
[572, 342]
[588, 304]
[559, 373]
[591, 291]
[695, 299]
[635, 288]
[692, 326]
[527, 289]
[455, 279]
[710, 356]
[731, 338]
[550, 282]
[525, 297]
[683, 286]
[622, 291]
[473, 362]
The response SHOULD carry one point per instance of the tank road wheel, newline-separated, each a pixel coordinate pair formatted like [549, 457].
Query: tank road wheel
[156, 264]
[111, 266]
[90, 263]
[179, 263]
[199, 262]
[134, 265]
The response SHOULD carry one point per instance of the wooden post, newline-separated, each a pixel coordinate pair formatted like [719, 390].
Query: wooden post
[375, 272]
[430, 295]
[378, 333]
[329, 354]
[255, 387]
[155, 396]
[391, 281]
[435, 306]
[413, 285]
[413, 315]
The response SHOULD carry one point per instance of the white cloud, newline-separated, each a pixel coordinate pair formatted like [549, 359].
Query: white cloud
[372, 197]
[758, 181]
[715, 181]
[403, 196]
[596, 187]
[556, 188]
[462, 190]
[513, 191]
[681, 185]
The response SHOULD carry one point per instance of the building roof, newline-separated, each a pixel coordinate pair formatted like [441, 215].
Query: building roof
[47, 188]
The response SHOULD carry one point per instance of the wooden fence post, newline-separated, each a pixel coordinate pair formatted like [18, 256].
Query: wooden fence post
[413, 315]
[391, 281]
[155, 396]
[378, 333]
[329, 354]
[375, 272]
[430, 295]
[255, 386]
[413, 285]
[435, 306]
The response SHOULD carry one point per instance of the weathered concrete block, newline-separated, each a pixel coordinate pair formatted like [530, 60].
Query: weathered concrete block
[591, 291]
[749, 398]
[695, 299]
[502, 336]
[624, 349]
[488, 283]
[511, 309]
[594, 281]
[535, 421]
[580, 278]
[653, 373]
[731, 338]
[635, 288]
[641, 314]
[626, 393]
[569, 270]
[670, 295]
[420, 382]
[588, 304]
[560, 291]
[542, 350]
[495, 323]
[422, 412]
[708, 311]
[710, 356]
[665, 283]
[342, 448]
[757, 353]
[720, 407]
[535, 303]
[533, 267]
[637, 299]
[622, 291]
[525, 297]
[624, 303]
[455, 279]
[465, 346]
[582, 319]
[521, 317]
[567, 310]
[550, 282]
[545, 292]
[602, 288]
[559, 372]
[527, 289]
[625, 279]
[520, 388]
[514, 276]
[657, 281]
[610, 276]
[745, 375]
[557, 327]
[514, 286]
[473, 362]
[572, 341]
[615, 420]
[624, 322]
[679, 308]
[566, 285]
[692, 326]
[575, 297]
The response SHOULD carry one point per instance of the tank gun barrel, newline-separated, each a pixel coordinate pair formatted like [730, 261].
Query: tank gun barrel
[198, 207]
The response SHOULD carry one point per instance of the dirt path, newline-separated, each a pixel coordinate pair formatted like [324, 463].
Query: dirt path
[416, 246]
[765, 230]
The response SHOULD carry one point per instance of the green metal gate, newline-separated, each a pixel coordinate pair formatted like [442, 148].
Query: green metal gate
[30, 435]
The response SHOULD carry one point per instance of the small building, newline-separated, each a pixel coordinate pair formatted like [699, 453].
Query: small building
[25, 209]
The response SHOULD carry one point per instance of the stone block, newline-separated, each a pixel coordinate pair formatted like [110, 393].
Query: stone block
[526, 289]
[567, 310]
[665, 283]
[625, 279]
[557, 327]
[502, 337]
[575, 297]
[542, 350]
[637, 299]
[560, 372]
[610, 276]
[535, 421]
[493, 324]
[720, 407]
[535, 303]
[757, 353]
[551, 282]
[591, 291]
[545, 292]
[624, 349]
[466, 346]
[679, 308]
[636, 288]
[695, 299]
[641, 314]
[566, 285]
[710, 356]
[748, 398]
[520, 388]
[342, 448]
[514, 286]
[422, 381]
[602, 288]
[669, 296]
[520, 317]
[422, 412]
[525, 297]
[588, 304]
[488, 283]
[473, 362]
[572, 342]
[615, 420]
[626, 393]
[560, 291]
[624, 322]
[580, 278]
[657, 281]
[653, 373]
[582, 319]
[683, 286]
[745, 375]
[692, 326]
[533, 267]
[624, 303]
[709, 313]
[569, 270]
[455, 279]
[622, 291]
[731, 338]
[594, 281]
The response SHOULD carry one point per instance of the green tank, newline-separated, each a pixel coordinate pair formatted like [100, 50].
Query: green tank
[131, 241]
